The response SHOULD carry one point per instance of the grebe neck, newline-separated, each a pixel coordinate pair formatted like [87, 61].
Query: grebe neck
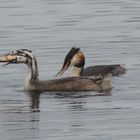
[32, 77]
[77, 71]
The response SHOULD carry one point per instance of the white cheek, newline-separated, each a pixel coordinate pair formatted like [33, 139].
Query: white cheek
[74, 61]
[21, 59]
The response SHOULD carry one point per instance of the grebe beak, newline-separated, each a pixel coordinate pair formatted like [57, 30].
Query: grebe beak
[67, 60]
[63, 69]
[8, 59]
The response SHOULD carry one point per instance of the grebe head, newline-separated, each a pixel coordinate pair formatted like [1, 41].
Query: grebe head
[17, 56]
[74, 58]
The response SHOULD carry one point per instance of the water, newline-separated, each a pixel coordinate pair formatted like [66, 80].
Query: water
[108, 32]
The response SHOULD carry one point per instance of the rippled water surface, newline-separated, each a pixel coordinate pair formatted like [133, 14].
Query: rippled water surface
[108, 32]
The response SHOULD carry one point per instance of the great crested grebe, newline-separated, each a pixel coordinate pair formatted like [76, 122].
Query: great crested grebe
[32, 83]
[76, 58]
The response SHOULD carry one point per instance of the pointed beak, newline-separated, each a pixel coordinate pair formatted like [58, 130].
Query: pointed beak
[67, 60]
[63, 69]
[8, 58]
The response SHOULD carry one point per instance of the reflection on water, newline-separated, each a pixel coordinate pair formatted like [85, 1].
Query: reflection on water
[34, 100]
[34, 97]
[107, 32]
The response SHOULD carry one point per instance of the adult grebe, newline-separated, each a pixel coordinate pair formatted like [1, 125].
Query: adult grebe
[32, 82]
[76, 58]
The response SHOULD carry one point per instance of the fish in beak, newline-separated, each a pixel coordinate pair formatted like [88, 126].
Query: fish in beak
[8, 58]
[67, 60]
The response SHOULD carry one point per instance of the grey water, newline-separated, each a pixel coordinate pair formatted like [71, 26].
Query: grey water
[108, 32]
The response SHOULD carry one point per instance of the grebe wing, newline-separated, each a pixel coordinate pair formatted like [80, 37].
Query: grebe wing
[104, 70]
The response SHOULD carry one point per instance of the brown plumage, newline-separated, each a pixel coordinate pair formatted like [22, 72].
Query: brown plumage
[76, 59]
[115, 70]
[32, 82]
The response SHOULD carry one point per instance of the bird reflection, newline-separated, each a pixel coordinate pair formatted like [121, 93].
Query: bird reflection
[34, 100]
[76, 104]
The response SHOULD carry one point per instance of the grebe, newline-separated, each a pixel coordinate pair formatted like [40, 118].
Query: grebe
[76, 58]
[32, 83]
